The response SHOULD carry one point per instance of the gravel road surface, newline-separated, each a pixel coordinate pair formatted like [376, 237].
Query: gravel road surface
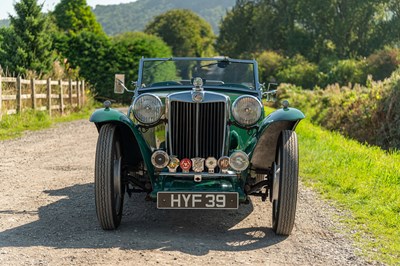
[47, 217]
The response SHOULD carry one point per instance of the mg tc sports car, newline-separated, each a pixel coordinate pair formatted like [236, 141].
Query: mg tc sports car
[196, 137]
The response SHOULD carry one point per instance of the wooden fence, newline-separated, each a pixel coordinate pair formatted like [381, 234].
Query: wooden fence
[40, 95]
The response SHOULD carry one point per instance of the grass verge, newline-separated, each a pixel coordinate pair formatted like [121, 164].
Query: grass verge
[13, 126]
[362, 179]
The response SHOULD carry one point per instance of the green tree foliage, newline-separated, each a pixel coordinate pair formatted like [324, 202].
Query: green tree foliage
[26, 44]
[99, 58]
[92, 54]
[348, 71]
[184, 31]
[75, 16]
[297, 70]
[254, 26]
[313, 28]
[351, 26]
[368, 113]
[269, 63]
[239, 22]
[131, 46]
[382, 63]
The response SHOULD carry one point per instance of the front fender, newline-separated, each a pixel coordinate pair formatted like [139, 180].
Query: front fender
[268, 134]
[132, 138]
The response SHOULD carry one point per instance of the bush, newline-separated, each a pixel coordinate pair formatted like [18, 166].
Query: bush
[382, 63]
[387, 114]
[348, 71]
[99, 58]
[269, 63]
[300, 72]
[367, 113]
[130, 47]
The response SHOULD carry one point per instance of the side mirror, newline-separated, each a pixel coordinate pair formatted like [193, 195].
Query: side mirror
[271, 91]
[119, 86]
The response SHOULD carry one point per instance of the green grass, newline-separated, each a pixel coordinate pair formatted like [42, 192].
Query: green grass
[13, 126]
[362, 179]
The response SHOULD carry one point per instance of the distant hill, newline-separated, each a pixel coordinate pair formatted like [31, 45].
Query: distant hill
[4, 23]
[135, 16]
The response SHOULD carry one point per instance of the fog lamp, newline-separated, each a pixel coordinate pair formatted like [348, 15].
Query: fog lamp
[239, 161]
[160, 159]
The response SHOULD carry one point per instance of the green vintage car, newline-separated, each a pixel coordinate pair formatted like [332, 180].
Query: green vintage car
[196, 137]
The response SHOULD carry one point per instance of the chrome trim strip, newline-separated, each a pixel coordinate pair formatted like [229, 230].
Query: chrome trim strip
[192, 174]
[196, 152]
[253, 62]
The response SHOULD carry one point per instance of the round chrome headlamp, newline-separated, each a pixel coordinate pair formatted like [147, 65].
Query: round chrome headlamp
[239, 161]
[246, 110]
[147, 108]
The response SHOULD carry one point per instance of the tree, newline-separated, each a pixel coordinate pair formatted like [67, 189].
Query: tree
[315, 29]
[186, 32]
[27, 44]
[92, 54]
[255, 26]
[75, 16]
[237, 23]
[130, 47]
[349, 27]
[99, 58]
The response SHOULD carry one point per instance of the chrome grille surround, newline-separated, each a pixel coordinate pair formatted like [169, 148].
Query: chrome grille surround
[197, 129]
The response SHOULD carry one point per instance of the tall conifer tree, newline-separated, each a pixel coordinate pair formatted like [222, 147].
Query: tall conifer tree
[27, 45]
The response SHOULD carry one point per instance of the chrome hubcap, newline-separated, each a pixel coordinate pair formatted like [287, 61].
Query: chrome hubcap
[276, 181]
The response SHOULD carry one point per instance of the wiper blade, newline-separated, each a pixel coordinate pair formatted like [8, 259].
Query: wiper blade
[156, 65]
[221, 64]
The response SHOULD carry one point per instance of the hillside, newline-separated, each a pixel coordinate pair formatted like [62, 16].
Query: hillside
[4, 22]
[134, 16]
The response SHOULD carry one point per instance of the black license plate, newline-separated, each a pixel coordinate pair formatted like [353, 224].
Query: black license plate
[197, 200]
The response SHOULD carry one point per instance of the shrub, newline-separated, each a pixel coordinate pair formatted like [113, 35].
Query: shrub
[100, 58]
[367, 113]
[382, 63]
[299, 71]
[269, 63]
[348, 71]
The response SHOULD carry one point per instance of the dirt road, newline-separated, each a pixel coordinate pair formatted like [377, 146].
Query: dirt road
[47, 217]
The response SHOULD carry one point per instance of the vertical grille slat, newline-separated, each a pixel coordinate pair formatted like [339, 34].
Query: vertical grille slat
[209, 128]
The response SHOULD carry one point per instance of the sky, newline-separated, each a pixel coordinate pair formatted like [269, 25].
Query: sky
[7, 6]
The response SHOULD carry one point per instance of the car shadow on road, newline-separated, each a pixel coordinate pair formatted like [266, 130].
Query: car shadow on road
[71, 223]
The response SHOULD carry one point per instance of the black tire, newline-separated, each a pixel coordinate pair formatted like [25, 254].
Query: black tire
[109, 189]
[287, 172]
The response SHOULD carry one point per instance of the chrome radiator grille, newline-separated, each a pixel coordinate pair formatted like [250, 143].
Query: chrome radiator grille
[197, 129]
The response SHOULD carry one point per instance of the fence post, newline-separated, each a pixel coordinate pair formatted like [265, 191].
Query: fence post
[33, 96]
[1, 99]
[19, 92]
[78, 94]
[49, 95]
[83, 92]
[70, 92]
[61, 97]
